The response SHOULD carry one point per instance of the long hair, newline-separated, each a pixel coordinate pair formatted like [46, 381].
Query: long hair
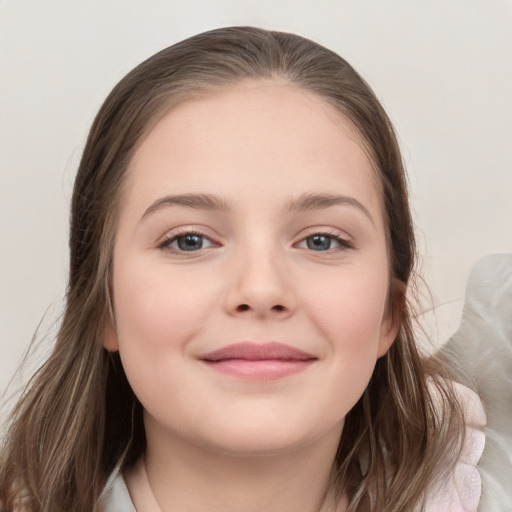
[78, 416]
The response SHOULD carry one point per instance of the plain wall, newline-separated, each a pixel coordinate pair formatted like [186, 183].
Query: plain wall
[441, 68]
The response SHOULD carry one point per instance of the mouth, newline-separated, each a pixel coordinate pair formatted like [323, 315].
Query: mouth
[254, 361]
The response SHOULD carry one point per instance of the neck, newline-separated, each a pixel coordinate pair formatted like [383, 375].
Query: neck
[183, 477]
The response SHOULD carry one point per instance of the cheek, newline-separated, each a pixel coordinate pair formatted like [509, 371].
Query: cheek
[158, 306]
[349, 315]
[157, 313]
[349, 308]
[348, 311]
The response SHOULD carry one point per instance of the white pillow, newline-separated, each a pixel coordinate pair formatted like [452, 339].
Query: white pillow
[481, 352]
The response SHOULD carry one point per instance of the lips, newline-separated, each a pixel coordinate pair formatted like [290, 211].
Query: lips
[256, 361]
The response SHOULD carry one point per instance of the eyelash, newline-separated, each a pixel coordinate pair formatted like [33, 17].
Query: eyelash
[343, 243]
[165, 244]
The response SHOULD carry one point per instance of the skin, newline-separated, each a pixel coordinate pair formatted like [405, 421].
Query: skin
[256, 148]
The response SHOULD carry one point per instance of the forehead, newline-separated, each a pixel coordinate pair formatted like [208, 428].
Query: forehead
[248, 101]
[257, 134]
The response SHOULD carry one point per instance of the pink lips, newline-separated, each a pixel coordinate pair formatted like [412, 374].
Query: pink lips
[258, 361]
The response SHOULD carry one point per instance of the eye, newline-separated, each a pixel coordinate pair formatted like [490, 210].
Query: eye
[186, 242]
[324, 242]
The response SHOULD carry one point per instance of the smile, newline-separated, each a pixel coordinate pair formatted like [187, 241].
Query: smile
[253, 361]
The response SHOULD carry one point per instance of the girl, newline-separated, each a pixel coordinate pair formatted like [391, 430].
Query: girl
[236, 333]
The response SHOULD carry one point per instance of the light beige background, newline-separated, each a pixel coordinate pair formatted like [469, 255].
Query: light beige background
[442, 68]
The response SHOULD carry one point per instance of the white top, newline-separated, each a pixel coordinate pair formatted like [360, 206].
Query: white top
[116, 497]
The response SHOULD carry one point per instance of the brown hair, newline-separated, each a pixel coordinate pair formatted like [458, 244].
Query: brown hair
[78, 416]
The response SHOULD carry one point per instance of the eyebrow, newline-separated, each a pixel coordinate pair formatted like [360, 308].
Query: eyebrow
[309, 201]
[197, 201]
[210, 202]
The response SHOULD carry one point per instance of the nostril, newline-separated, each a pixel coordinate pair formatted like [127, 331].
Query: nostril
[245, 307]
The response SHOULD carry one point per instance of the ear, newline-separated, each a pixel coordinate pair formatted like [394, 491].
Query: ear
[110, 341]
[388, 332]
[393, 317]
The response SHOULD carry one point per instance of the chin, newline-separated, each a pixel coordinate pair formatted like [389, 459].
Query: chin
[259, 439]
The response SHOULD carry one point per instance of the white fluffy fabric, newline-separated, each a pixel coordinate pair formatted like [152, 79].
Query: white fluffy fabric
[481, 351]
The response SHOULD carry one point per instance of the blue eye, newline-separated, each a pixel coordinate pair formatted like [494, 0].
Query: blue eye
[187, 242]
[319, 242]
[323, 242]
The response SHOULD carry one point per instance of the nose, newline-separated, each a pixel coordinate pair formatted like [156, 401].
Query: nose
[260, 287]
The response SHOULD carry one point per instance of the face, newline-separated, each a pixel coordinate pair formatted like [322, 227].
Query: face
[250, 271]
